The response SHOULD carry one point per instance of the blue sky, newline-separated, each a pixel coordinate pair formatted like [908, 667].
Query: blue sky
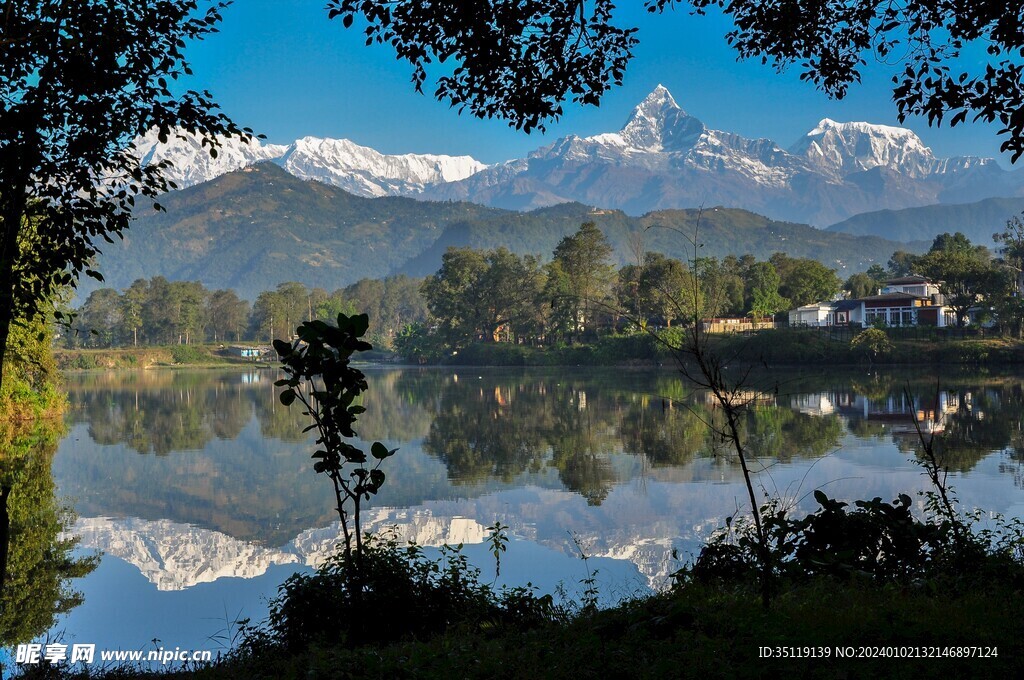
[285, 70]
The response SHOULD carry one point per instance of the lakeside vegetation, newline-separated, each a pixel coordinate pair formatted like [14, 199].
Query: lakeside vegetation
[783, 347]
[494, 307]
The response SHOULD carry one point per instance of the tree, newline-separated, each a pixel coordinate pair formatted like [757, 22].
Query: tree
[873, 342]
[519, 59]
[454, 296]
[903, 263]
[664, 283]
[1011, 257]
[479, 293]
[804, 281]
[762, 282]
[79, 80]
[964, 272]
[102, 317]
[580, 279]
[861, 285]
[227, 314]
[133, 300]
[188, 310]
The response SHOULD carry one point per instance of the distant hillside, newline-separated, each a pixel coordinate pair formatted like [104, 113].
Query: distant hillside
[252, 229]
[978, 221]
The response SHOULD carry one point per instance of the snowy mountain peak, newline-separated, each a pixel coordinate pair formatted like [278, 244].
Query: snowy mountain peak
[657, 124]
[839, 149]
[659, 97]
[191, 162]
[341, 162]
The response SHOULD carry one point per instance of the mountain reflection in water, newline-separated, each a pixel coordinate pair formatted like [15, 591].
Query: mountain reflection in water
[199, 478]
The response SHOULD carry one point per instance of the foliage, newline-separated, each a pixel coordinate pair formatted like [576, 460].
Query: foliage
[41, 561]
[579, 282]
[80, 79]
[862, 285]
[321, 378]
[802, 281]
[31, 386]
[157, 311]
[964, 271]
[876, 540]
[518, 59]
[395, 593]
[872, 341]
[484, 295]
[541, 51]
[187, 354]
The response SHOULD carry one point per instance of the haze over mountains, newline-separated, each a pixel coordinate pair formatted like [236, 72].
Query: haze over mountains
[662, 158]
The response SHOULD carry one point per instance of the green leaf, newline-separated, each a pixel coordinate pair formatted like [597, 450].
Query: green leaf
[379, 451]
[283, 348]
[360, 324]
[288, 397]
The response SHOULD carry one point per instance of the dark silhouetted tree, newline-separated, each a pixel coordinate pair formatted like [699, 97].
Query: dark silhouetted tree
[519, 59]
[79, 80]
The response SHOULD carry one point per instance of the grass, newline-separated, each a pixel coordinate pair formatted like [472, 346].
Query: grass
[198, 356]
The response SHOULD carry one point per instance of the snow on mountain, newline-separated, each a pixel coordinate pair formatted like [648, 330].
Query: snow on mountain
[191, 162]
[175, 556]
[656, 124]
[661, 158]
[418, 525]
[665, 158]
[357, 169]
[366, 172]
[838, 149]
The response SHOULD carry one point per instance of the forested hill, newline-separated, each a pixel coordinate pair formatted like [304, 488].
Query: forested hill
[978, 221]
[252, 229]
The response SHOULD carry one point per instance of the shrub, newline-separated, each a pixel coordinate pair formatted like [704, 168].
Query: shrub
[873, 539]
[188, 354]
[393, 593]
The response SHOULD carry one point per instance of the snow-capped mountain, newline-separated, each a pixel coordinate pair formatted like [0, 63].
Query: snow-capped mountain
[357, 169]
[661, 158]
[191, 163]
[839, 149]
[362, 171]
[665, 158]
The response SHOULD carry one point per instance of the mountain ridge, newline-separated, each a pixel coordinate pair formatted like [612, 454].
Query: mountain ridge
[661, 158]
[254, 228]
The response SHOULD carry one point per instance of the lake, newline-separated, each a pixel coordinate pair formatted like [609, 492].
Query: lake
[197, 486]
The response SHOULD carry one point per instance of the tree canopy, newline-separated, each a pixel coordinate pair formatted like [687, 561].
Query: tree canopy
[80, 79]
[519, 59]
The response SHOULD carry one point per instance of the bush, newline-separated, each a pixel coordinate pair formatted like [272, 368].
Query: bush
[188, 354]
[874, 539]
[392, 592]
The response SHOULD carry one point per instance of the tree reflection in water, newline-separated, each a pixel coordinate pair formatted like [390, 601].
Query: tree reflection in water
[41, 559]
[585, 431]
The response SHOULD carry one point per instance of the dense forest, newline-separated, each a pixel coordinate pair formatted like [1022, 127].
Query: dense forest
[491, 295]
[579, 294]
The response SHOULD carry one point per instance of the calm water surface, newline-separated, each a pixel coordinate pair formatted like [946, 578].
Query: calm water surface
[197, 487]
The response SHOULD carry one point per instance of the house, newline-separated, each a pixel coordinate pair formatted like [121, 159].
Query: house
[249, 352]
[735, 324]
[818, 314]
[902, 301]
